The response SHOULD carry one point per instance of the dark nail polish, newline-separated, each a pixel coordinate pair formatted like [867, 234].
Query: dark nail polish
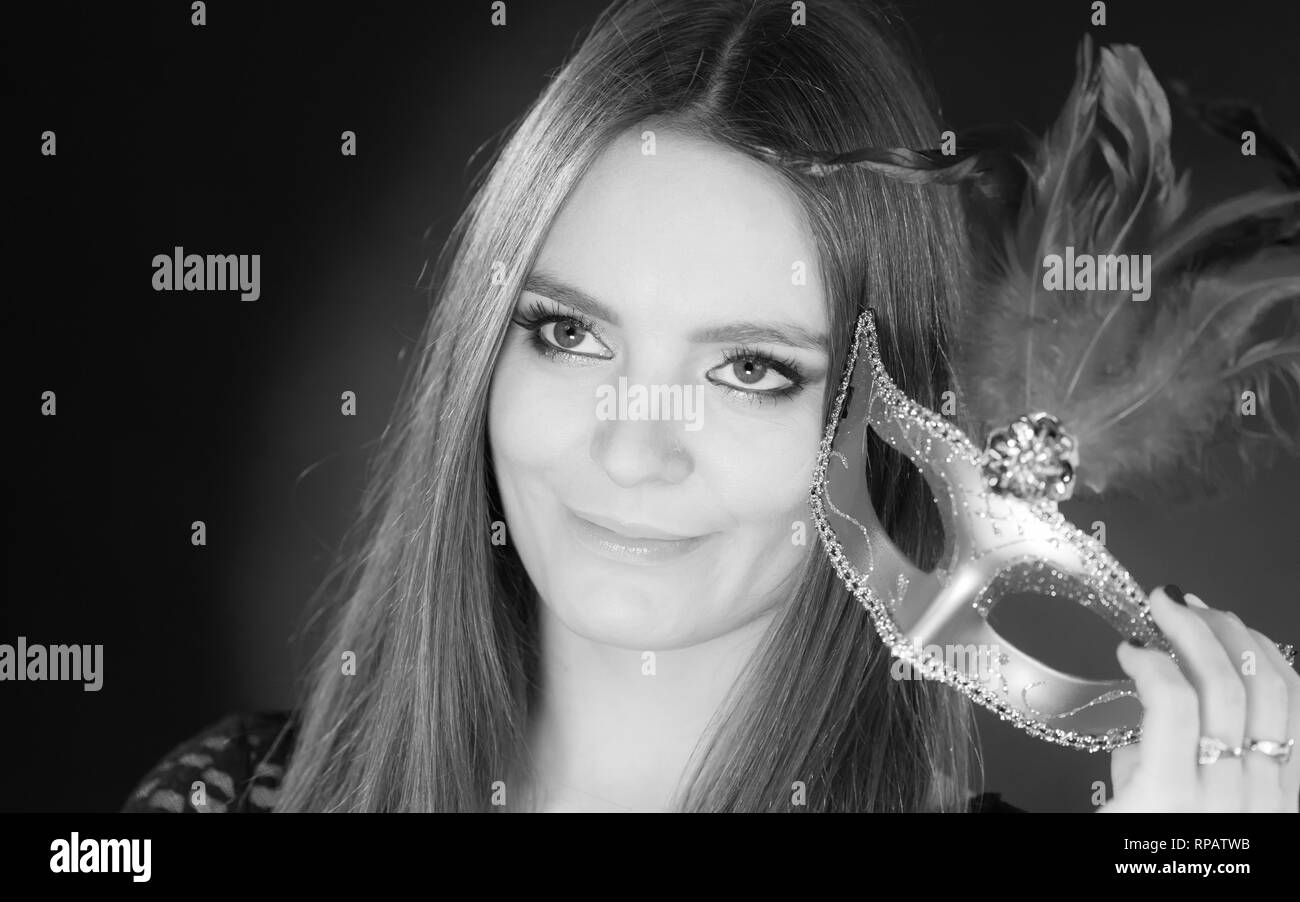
[1135, 643]
[1176, 594]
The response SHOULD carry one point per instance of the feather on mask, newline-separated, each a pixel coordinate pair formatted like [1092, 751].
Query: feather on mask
[1143, 384]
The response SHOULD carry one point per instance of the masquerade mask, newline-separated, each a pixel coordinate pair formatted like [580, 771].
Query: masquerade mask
[1139, 385]
[996, 543]
[1003, 535]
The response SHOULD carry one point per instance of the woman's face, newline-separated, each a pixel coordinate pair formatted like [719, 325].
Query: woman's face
[656, 410]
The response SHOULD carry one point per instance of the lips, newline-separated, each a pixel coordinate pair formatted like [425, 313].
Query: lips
[630, 530]
[630, 543]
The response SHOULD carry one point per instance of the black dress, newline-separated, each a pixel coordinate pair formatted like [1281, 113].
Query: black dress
[241, 760]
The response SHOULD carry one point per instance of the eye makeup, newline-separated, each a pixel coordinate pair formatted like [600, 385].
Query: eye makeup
[538, 316]
[750, 357]
[544, 320]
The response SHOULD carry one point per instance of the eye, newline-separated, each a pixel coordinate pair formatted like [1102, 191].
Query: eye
[750, 372]
[572, 337]
[556, 333]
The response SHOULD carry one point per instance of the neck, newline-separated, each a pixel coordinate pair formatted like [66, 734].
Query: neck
[614, 731]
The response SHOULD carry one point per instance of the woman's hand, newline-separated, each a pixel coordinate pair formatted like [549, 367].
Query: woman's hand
[1221, 692]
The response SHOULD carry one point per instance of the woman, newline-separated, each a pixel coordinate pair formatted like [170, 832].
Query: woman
[562, 605]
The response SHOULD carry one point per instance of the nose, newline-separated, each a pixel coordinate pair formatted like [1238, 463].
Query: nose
[633, 452]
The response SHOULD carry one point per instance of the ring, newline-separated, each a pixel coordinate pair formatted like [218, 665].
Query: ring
[1211, 750]
[1280, 751]
[1288, 652]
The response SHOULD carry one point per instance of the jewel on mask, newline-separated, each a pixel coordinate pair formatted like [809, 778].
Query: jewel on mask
[1032, 458]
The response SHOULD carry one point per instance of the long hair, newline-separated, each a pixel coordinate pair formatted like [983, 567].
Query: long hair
[441, 623]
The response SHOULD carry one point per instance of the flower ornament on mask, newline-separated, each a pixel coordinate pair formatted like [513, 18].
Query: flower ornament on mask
[1098, 383]
[1032, 459]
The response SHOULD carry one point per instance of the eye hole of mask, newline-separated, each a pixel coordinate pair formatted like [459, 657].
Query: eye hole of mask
[1039, 614]
[934, 547]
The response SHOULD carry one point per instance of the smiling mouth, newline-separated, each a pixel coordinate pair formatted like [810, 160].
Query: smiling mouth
[630, 543]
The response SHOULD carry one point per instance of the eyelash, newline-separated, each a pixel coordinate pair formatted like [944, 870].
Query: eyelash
[537, 315]
[783, 365]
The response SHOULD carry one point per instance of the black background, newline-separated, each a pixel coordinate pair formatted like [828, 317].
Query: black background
[175, 407]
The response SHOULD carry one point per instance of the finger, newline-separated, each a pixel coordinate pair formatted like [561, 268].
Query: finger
[1170, 718]
[1123, 762]
[1266, 703]
[1221, 693]
[1290, 776]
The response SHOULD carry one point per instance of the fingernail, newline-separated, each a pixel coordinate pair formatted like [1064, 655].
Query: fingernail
[1135, 643]
[1176, 594]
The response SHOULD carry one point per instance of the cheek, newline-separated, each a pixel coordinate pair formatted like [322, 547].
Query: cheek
[538, 420]
[760, 465]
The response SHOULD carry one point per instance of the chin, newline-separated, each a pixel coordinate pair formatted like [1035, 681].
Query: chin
[621, 614]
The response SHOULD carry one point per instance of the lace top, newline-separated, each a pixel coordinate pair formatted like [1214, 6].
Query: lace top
[241, 759]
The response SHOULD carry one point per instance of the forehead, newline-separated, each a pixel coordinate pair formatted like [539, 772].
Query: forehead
[694, 229]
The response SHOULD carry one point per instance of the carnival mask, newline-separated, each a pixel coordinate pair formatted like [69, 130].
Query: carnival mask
[1108, 375]
[996, 542]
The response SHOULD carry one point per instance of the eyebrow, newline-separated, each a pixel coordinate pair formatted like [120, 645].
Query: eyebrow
[792, 334]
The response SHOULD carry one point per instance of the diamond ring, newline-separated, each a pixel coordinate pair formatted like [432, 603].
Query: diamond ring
[1280, 751]
[1211, 750]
